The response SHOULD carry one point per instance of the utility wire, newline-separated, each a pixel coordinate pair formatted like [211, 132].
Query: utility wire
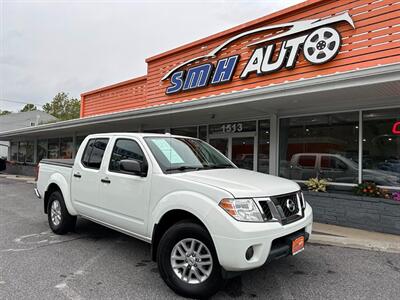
[21, 102]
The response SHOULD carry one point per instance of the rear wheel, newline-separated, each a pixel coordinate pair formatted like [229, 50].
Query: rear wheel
[60, 220]
[188, 262]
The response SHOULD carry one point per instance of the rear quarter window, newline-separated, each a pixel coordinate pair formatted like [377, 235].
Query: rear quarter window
[93, 154]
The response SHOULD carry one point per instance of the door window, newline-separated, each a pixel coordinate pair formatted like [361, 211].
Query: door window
[94, 152]
[126, 149]
[332, 163]
[306, 161]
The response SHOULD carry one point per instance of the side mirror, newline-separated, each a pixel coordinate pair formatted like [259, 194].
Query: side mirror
[131, 166]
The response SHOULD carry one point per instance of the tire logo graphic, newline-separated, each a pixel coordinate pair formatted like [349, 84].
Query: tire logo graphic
[322, 45]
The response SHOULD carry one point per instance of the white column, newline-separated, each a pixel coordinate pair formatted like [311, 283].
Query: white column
[360, 145]
[274, 145]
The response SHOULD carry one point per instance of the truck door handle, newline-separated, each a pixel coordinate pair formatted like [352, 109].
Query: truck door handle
[105, 180]
[77, 175]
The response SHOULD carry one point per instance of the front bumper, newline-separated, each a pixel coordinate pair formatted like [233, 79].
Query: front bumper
[231, 250]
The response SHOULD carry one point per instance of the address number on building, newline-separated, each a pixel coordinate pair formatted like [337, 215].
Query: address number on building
[232, 127]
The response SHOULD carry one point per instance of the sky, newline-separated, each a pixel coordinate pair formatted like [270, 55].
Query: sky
[48, 47]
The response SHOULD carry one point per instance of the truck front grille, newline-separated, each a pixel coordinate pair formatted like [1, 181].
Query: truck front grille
[286, 208]
[288, 204]
[266, 210]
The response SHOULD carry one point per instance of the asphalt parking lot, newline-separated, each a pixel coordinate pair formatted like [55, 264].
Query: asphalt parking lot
[98, 263]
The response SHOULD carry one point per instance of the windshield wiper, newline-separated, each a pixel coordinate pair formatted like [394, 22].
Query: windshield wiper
[220, 166]
[184, 168]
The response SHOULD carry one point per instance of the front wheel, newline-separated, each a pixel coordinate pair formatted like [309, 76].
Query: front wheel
[188, 262]
[60, 221]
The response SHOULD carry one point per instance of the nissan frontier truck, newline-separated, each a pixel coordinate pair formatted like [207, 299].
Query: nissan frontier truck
[206, 219]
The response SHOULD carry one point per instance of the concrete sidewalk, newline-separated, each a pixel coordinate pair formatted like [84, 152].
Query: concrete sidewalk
[354, 238]
[322, 233]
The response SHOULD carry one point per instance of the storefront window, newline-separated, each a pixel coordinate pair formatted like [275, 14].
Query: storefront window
[263, 146]
[29, 152]
[66, 147]
[324, 146]
[79, 140]
[53, 148]
[185, 131]
[161, 131]
[381, 147]
[41, 150]
[22, 151]
[203, 132]
[14, 151]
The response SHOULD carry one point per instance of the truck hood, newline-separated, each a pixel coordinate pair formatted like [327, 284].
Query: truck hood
[243, 183]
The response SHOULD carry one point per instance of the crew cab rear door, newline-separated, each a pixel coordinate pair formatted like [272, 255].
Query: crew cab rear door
[125, 196]
[86, 177]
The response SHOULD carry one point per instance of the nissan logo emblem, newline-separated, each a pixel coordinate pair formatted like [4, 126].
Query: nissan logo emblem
[291, 206]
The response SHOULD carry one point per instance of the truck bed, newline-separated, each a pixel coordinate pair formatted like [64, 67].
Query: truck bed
[59, 162]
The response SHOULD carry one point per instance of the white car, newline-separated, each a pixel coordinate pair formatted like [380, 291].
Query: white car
[205, 219]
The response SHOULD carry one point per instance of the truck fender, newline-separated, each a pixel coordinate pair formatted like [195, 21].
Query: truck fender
[60, 181]
[197, 204]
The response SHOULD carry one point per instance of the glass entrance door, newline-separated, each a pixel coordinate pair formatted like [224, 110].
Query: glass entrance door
[221, 144]
[237, 147]
[242, 153]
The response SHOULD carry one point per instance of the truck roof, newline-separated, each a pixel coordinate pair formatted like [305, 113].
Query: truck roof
[136, 134]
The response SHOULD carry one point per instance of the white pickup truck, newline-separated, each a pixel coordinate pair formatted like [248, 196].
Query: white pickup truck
[205, 218]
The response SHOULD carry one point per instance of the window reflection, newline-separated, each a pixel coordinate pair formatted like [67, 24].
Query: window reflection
[41, 149]
[381, 147]
[21, 151]
[14, 151]
[185, 131]
[53, 148]
[324, 146]
[66, 147]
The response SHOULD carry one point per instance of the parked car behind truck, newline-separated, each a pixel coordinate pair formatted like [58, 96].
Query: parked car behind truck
[204, 217]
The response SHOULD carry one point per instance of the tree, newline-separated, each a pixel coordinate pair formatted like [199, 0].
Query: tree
[4, 112]
[28, 107]
[62, 107]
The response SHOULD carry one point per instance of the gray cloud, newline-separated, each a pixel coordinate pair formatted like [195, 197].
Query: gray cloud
[76, 46]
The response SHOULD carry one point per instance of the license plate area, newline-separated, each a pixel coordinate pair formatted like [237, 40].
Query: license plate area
[297, 244]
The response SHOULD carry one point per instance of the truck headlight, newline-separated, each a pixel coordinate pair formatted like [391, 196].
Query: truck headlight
[242, 209]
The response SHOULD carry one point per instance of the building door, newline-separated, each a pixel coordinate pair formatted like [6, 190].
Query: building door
[238, 147]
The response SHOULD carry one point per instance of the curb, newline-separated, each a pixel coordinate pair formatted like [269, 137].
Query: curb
[355, 243]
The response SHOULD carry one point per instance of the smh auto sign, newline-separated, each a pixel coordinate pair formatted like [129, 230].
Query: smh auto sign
[318, 42]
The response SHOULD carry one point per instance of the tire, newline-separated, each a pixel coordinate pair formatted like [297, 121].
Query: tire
[196, 284]
[60, 221]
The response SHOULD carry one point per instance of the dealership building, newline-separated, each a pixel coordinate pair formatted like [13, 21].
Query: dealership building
[311, 90]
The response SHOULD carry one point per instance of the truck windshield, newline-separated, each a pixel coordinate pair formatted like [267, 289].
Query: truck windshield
[175, 154]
